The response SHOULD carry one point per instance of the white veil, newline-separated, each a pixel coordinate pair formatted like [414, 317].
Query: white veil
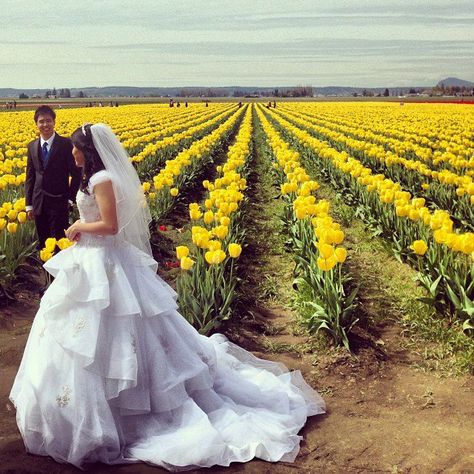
[133, 214]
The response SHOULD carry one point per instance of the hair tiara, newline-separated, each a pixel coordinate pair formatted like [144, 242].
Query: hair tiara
[84, 132]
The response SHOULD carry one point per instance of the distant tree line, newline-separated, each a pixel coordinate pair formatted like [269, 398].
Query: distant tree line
[453, 90]
[55, 94]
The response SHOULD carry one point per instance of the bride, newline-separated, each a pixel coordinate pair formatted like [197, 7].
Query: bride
[112, 372]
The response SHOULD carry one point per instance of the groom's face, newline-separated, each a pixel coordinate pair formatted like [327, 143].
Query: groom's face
[45, 125]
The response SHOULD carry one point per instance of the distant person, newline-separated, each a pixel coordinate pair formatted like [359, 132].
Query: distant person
[274, 104]
[171, 103]
[52, 178]
[186, 104]
[116, 104]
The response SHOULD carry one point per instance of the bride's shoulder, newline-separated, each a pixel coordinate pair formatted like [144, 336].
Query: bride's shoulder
[99, 177]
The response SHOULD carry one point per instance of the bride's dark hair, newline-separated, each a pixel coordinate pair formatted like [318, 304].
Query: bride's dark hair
[82, 140]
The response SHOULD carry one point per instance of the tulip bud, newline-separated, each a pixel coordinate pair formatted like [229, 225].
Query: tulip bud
[182, 251]
[234, 250]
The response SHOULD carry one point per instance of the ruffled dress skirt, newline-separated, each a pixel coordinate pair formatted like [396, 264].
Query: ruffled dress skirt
[112, 373]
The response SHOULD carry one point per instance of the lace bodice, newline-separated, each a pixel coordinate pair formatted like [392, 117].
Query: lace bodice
[86, 203]
[89, 211]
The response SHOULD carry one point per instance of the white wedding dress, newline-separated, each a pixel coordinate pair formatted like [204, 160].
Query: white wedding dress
[113, 373]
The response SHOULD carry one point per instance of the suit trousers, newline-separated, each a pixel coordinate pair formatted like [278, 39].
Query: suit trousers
[53, 220]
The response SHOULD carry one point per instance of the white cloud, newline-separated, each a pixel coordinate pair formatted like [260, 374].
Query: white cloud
[221, 42]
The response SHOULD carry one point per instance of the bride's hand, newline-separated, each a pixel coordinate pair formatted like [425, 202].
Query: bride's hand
[73, 232]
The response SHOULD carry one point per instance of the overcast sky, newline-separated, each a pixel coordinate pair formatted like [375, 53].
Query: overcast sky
[361, 43]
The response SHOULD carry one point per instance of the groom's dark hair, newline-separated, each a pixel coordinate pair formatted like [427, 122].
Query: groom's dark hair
[82, 140]
[44, 110]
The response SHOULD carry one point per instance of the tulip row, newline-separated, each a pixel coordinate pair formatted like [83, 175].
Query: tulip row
[391, 192]
[433, 164]
[154, 155]
[17, 237]
[314, 235]
[185, 167]
[171, 133]
[17, 240]
[139, 132]
[440, 133]
[411, 145]
[207, 288]
[410, 173]
[447, 271]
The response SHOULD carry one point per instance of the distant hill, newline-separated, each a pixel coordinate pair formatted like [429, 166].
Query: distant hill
[454, 82]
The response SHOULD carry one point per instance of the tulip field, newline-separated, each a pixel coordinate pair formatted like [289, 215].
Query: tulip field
[407, 169]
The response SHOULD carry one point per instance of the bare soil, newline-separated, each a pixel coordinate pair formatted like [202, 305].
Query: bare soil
[383, 415]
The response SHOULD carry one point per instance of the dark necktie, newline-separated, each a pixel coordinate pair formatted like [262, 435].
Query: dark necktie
[45, 153]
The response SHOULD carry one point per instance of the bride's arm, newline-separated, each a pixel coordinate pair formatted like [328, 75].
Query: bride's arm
[105, 199]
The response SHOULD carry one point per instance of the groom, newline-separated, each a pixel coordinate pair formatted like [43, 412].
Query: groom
[48, 187]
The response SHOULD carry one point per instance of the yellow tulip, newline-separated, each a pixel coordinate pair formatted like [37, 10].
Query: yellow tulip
[12, 227]
[301, 213]
[146, 187]
[338, 236]
[341, 254]
[208, 217]
[50, 244]
[64, 243]
[326, 264]
[186, 263]
[214, 257]
[224, 220]
[45, 255]
[201, 240]
[214, 245]
[467, 245]
[12, 215]
[21, 217]
[174, 192]
[3, 223]
[220, 231]
[234, 250]
[326, 251]
[195, 214]
[419, 247]
[440, 236]
[182, 251]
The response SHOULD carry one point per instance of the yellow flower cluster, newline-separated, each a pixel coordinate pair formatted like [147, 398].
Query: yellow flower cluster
[50, 246]
[137, 126]
[326, 231]
[11, 214]
[173, 168]
[176, 131]
[435, 133]
[363, 142]
[388, 192]
[224, 196]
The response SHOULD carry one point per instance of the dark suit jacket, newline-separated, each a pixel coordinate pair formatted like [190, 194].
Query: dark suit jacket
[52, 180]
